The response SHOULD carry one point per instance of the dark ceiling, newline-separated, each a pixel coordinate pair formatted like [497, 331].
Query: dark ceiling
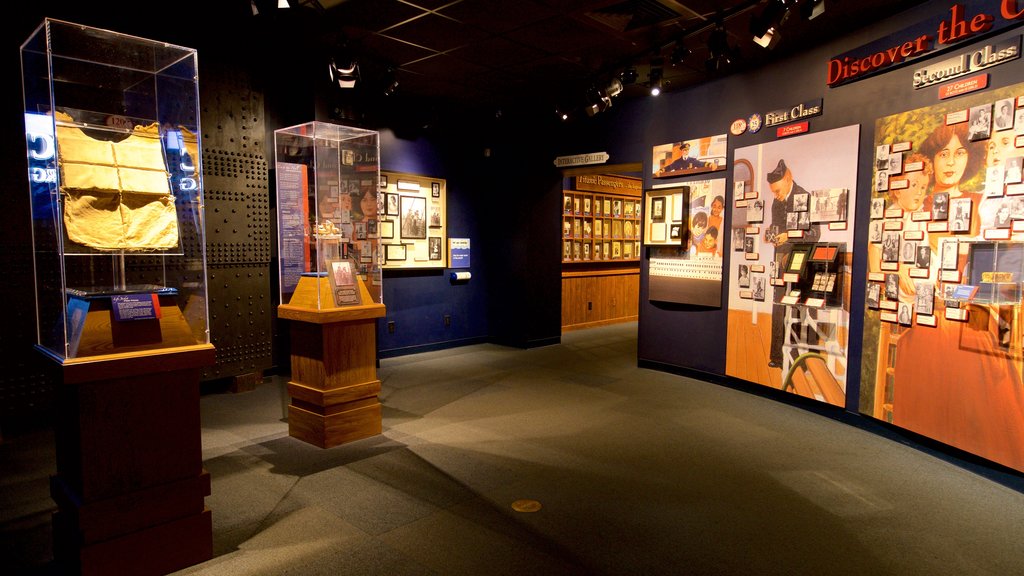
[504, 53]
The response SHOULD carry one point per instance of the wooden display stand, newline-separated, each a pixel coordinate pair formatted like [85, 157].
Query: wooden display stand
[130, 483]
[334, 387]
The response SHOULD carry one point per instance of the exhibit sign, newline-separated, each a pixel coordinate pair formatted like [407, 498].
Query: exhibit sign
[458, 252]
[582, 159]
[800, 111]
[788, 303]
[965, 20]
[945, 264]
[967, 63]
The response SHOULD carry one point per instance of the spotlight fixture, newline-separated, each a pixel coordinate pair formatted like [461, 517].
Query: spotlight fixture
[629, 75]
[654, 79]
[390, 82]
[344, 75]
[718, 49]
[679, 54]
[769, 39]
[614, 88]
[774, 15]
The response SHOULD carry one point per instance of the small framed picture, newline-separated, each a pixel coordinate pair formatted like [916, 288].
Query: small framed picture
[940, 206]
[800, 201]
[959, 214]
[980, 122]
[434, 248]
[391, 204]
[877, 208]
[744, 276]
[435, 189]
[387, 228]
[755, 211]
[874, 295]
[394, 252]
[658, 209]
[383, 185]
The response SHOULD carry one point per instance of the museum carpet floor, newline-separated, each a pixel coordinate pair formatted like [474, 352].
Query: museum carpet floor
[620, 469]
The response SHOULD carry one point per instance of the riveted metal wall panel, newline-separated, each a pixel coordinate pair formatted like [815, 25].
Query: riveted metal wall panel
[238, 232]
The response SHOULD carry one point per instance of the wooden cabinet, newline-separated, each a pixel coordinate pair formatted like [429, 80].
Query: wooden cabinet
[600, 227]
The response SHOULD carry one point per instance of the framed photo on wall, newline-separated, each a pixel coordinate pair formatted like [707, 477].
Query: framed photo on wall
[391, 203]
[394, 252]
[435, 189]
[413, 217]
[434, 250]
[387, 228]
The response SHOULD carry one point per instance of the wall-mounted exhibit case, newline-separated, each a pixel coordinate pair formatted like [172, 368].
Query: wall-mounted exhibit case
[413, 220]
[327, 203]
[601, 220]
[112, 130]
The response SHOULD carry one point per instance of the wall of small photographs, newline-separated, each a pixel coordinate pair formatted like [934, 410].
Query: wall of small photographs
[945, 263]
[412, 225]
[600, 227]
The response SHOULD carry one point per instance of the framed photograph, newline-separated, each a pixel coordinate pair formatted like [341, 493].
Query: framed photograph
[980, 122]
[829, 205]
[875, 231]
[755, 211]
[360, 230]
[877, 208]
[758, 284]
[909, 252]
[924, 255]
[627, 209]
[617, 208]
[576, 206]
[383, 185]
[906, 314]
[577, 252]
[586, 206]
[744, 276]
[394, 252]
[434, 248]
[607, 207]
[892, 286]
[924, 301]
[586, 250]
[1004, 110]
[627, 250]
[959, 214]
[940, 206]
[567, 204]
[739, 233]
[435, 189]
[566, 250]
[616, 249]
[435, 215]
[873, 295]
[387, 228]
[1012, 170]
[413, 223]
[342, 279]
[792, 220]
[391, 204]
[949, 254]
[800, 201]
[890, 246]
[881, 181]
[598, 228]
[658, 209]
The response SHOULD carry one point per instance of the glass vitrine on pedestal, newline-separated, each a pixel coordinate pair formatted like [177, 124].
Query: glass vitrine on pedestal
[113, 154]
[327, 205]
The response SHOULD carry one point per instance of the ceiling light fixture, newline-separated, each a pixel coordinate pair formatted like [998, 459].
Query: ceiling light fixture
[345, 75]
[654, 79]
[718, 49]
[679, 54]
[811, 9]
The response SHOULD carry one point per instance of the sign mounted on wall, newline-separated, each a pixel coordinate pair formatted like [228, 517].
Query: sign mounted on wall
[965, 20]
[967, 63]
[582, 159]
[798, 112]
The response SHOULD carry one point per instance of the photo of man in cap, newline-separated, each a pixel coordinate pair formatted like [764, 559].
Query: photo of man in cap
[683, 162]
[783, 188]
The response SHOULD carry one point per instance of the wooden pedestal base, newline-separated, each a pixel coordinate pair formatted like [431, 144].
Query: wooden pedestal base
[130, 484]
[334, 387]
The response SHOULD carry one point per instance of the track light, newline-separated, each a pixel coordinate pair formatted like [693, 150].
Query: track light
[344, 75]
[679, 54]
[774, 15]
[629, 75]
[654, 79]
[614, 88]
[718, 49]
[390, 82]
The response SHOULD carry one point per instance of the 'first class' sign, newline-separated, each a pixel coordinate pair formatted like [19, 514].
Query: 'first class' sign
[964, 21]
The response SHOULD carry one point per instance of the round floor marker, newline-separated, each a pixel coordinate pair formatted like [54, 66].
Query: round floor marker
[526, 506]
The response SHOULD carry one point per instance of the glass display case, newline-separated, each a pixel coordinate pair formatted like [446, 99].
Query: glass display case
[113, 153]
[327, 214]
[994, 273]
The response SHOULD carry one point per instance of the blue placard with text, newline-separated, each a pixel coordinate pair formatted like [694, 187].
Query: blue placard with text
[135, 307]
[458, 252]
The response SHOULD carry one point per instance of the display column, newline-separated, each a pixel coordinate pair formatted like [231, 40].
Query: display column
[130, 483]
[334, 387]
